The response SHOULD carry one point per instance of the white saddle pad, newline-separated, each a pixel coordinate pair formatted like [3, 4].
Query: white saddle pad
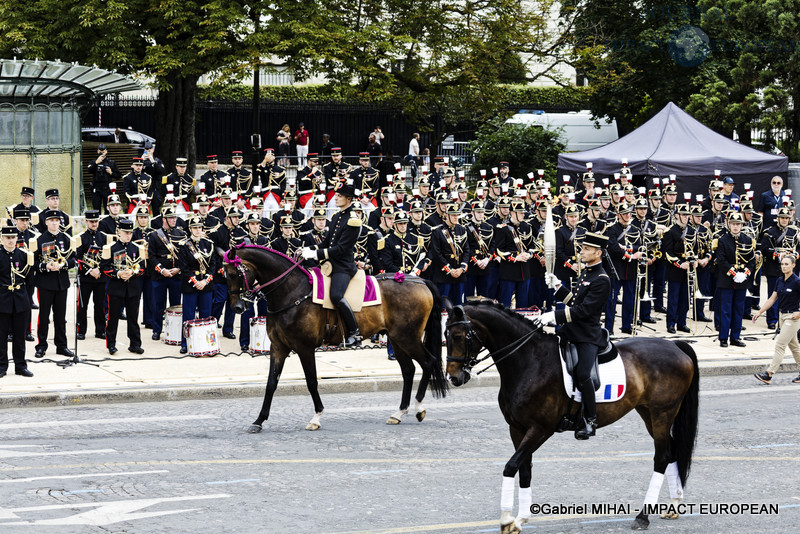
[612, 381]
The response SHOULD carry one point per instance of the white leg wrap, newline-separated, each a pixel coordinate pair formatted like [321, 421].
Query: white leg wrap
[507, 495]
[674, 481]
[418, 407]
[399, 414]
[315, 419]
[655, 487]
[525, 499]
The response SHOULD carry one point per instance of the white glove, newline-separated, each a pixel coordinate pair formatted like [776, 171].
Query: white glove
[548, 318]
[552, 280]
[308, 253]
[739, 278]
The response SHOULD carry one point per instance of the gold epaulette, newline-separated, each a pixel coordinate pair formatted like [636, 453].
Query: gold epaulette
[381, 243]
[354, 220]
[29, 254]
[106, 253]
[33, 244]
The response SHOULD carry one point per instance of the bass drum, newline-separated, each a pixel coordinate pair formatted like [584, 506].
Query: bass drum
[201, 337]
[173, 321]
[259, 340]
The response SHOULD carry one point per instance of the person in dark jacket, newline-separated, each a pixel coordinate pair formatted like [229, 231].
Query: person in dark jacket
[103, 171]
[449, 252]
[513, 246]
[54, 257]
[679, 247]
[337, 248]
[162, 245]
[227, 236]
[15, 306]
[198, 261]
[735, 260]
[90, 277]
[580, 322]
[124, 263]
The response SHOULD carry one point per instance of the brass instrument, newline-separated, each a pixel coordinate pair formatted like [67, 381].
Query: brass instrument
[690, 246]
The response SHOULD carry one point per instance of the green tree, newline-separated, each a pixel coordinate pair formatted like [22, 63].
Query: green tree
[526, 148]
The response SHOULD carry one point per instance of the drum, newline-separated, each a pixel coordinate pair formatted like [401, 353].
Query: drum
[173, 320]
[444, 328]
[201, 337]
[259, 340]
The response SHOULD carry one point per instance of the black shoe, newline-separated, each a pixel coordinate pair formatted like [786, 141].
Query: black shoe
[123, 316]
[147, 326]
[723, 342]
[648, 321]
[39, 353]
[763, 376]
[771, 326]
[156, 336]
[684, 328]
[738, 343]
[587, 429]
[184, 350]
[112, 350]
[229, 335]
[661, 310]
[25, 372]
[391, 357]
[704, 319]
[10, 338]
[671, 329]
[136, 350]
[64, 351]
[628, 331]
[29, 337]
[747, 317]
[353, 339]
[101, 335]
[34, 306]
[81, 337]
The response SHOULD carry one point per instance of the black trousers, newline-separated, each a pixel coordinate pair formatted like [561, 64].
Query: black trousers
[99, 199]
[132, 312]
[57, 302]
[96, 292]
[587, 352]
[13, 323]
[339, 283]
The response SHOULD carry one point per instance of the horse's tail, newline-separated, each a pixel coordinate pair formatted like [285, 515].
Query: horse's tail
[684, 428]
[433, 343]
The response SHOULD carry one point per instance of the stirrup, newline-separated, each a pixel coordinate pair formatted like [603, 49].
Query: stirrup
[587, 428]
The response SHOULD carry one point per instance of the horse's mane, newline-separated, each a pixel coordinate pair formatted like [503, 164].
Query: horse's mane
[236, 260]
[514, 316]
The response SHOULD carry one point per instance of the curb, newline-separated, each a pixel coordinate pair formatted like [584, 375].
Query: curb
[287, 387]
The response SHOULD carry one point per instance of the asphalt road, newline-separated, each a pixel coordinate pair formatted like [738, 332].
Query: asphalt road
[188, 466]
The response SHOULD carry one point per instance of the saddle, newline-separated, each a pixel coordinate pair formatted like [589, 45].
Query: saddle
[569, 353]
[362, 291]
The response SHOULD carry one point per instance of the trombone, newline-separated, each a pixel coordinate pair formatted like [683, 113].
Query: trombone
[641, 283]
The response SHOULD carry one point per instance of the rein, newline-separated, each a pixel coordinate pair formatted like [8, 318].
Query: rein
[255, 294]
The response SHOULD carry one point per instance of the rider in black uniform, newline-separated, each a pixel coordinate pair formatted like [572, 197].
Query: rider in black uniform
[337, 247]
[580, 321]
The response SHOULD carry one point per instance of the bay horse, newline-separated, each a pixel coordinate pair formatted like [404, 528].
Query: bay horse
[662, 386]
[410, 313]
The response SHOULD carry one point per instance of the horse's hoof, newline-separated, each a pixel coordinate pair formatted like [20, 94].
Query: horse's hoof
[670, 515]
[510, 528]
[312, 426]
[640, 523]
[254, 429]
[420, 416]
[393, 421]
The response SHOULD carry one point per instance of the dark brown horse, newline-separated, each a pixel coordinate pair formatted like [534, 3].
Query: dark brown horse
[662, 386]
[410, 314]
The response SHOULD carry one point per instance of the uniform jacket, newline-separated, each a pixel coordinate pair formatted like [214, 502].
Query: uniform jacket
[580, 320]
[197, 261]
[88, 255]
[566, 251]
[118, 256]
[339, 244]
[400, 253]
[14, 268]
[241, 180]
[623, 242]
[480, 238]
[674, 246]
[162, 247]
[56, 247]
[272, 178]
[448, 250]
[727, 264]
[511, 240]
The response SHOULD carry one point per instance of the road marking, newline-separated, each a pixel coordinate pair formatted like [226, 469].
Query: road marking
[20, 446]
[233, 481]
[757, 389]
[80, 422]
[24, 454]
[769, 445]
[378, 471]
[87, 475]
[104, 513]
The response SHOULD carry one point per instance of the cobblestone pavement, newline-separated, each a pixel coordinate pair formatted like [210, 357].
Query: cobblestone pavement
[189, 466]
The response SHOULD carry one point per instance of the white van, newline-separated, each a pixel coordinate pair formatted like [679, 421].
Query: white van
[578, 130]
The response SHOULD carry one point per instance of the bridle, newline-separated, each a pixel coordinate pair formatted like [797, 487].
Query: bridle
[471, 337]
[254, 294]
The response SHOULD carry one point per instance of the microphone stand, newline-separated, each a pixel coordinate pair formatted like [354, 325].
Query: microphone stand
[78, 302]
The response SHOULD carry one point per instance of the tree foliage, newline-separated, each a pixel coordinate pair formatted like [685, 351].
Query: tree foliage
[525, 147]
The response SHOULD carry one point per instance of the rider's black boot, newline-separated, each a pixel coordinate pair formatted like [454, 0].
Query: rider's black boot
[353, 338]
[588, 423]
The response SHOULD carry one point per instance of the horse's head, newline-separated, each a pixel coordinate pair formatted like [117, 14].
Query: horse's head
[463, 344]
[239, 276]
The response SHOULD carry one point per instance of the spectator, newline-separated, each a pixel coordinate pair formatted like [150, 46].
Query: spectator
[327, 145]
[375, 150]
[727, 190]
[284, 134]
[120, 136]
[770, 201]
[301, 145]
[378, 135]
[104, 171]
[413, 148]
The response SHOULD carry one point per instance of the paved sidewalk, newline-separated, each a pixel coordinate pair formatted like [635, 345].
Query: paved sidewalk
[162, 373]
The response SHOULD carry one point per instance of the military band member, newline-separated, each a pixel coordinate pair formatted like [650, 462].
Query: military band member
[670, 193]
[319, 230]
[25, 235]
[480, 238]
[624, 241]
[594, 221]
[141, 236]
[649, 247]
[776, 241]
[197, 261]
[402, 251]
[272, 178]
[427, 197]
[210, 222]
[15, 307]
[26, 201]
[109, 224]
[333, 170]
[211, 181]
[365, 178]
[91, 281]
[179, 184]
[54, 257]
[137, 183]
[123, 264]
[162, 247]
[375, 218]
[735, 262]
[366, 254]
[539, 294]
[53, 199]
[252, 225]
[569, 237]
[437, 218]
[289, 209]
[679, 246]
[241, 179]
[752, 227]
[450, 253]
[384, 229]
[226, 201]
[564, 194]
[227, 236]
[580, 322]
[513, 247]
[337, 248]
